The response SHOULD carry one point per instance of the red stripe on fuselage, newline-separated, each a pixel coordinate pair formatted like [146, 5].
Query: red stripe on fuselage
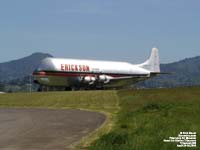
[69, 74]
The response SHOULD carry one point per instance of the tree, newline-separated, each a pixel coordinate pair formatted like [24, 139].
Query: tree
[2, 87]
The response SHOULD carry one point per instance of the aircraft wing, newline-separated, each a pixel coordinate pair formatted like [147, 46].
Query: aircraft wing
[125, 81]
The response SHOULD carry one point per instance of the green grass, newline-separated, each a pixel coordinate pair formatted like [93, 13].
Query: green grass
[147, 117]
[91, 100]
[137, 119]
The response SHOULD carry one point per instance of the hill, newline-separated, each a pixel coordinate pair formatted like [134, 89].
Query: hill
[20, 68]
[184, 73]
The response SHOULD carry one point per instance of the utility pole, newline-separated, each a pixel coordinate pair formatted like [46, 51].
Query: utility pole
[30, 83]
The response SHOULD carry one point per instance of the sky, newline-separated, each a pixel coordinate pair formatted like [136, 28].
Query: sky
[122, 30]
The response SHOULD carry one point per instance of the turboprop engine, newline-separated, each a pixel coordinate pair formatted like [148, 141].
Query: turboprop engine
[104, 78]
[99, 79]
[89, 79]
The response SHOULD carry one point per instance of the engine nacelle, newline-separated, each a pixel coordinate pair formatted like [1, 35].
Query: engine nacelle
[89, 79]
[104, 78]
[100, 79]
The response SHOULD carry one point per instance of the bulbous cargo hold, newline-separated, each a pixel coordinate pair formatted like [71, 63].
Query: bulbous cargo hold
[93, 74]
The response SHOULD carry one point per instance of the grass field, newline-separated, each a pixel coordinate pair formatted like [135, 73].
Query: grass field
[149, 116]
[137, 119]
[92, 100]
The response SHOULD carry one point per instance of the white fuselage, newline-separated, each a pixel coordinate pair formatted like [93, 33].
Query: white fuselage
[78, 73]
[75, 65]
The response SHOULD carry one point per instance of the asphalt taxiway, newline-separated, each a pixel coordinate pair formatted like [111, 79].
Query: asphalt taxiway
[45, 129]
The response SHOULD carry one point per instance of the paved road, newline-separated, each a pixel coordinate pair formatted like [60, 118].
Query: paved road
[45, 129]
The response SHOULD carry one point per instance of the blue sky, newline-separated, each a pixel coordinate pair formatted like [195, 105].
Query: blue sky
[122, 30]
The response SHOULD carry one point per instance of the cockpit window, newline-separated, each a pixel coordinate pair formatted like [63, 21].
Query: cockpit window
[37, 70]
[45, 65]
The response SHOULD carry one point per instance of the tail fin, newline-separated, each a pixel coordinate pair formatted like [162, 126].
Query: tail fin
[153, 63]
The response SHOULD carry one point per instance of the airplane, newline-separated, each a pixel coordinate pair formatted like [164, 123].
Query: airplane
[75, 74]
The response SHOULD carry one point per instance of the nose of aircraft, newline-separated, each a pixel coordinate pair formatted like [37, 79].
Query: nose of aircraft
[40, 72]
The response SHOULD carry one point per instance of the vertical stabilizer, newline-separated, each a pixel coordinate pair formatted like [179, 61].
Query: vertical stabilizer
[153, 63]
